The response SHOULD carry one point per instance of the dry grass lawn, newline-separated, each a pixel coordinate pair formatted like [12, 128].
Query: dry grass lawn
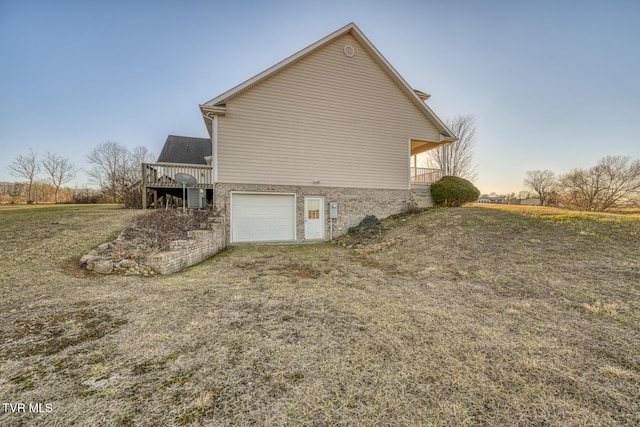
[468, 316]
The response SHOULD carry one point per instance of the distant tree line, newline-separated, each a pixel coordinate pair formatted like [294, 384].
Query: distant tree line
[42, 192]
[614, 182]
[57, 171]
[114, 168]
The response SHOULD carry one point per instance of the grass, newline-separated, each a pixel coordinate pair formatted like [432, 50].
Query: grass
[564, 215]
[467, 316]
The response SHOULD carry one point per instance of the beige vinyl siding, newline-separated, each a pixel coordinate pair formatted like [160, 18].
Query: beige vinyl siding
[342, 121]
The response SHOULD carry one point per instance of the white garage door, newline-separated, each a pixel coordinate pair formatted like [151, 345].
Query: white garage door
[262, 217]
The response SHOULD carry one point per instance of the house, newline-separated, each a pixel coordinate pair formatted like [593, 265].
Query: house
[333, 124]
[491, 199]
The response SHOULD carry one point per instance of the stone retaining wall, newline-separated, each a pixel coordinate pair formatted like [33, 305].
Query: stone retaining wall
[200, 245]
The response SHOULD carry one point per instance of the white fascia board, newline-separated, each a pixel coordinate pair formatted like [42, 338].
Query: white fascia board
[215, 110]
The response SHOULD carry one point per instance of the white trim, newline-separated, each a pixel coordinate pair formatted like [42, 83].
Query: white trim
[214, 147]
[262, 193]
[213, 110]
[409, 164]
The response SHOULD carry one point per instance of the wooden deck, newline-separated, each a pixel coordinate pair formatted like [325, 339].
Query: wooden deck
[159, 186]
[162, 175]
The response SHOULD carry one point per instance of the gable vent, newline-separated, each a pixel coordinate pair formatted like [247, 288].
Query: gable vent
[349, 51]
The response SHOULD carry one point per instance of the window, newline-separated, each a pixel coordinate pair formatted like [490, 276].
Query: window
[313, 209]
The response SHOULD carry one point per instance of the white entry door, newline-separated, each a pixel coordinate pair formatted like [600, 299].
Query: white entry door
[313, 218]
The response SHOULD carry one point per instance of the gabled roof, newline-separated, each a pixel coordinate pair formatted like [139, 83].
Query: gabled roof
[217, 104]
[185, 149]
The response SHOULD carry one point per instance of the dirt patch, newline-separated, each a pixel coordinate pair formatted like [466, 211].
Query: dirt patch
[297, 270]
[378, 246]
[376, 265]
[47, 331]
[72, 268]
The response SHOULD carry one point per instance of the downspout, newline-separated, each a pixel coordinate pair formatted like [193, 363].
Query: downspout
[214, 154]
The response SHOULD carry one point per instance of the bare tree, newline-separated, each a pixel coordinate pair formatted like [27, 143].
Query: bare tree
[524, 194]
[509, 197]
[59, 171]
[541, 183]
[118, 171]
[6, 188]
[141, 155]
[110, 162]
[132, 194]
[457, 158]
[26, 167]
[613, 182]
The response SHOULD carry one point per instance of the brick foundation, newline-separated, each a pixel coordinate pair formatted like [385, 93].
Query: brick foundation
[421, 196]
[353, 203]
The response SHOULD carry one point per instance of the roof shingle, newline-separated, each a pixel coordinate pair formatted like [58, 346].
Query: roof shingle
[185, 149]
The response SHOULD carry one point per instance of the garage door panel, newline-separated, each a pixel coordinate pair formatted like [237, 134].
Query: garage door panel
[262, 217]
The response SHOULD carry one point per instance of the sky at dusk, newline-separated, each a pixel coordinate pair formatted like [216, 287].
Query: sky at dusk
[552, 84]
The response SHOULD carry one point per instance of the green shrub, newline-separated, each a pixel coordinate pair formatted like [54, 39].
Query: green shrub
[370, 222]
[453, 191]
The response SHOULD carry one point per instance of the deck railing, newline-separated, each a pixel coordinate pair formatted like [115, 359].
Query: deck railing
[424, 176]
[163, 174]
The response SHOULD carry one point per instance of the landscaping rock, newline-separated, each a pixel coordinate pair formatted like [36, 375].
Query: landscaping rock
[103, 266]
[127, 263]
[103, 247]
[150, 233]
[86, 258]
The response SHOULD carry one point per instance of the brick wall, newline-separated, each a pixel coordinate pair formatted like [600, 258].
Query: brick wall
[201, 244]
[422, 196]
[353, 203]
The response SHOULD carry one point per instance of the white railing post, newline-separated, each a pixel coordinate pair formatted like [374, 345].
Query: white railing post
[425, 175]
